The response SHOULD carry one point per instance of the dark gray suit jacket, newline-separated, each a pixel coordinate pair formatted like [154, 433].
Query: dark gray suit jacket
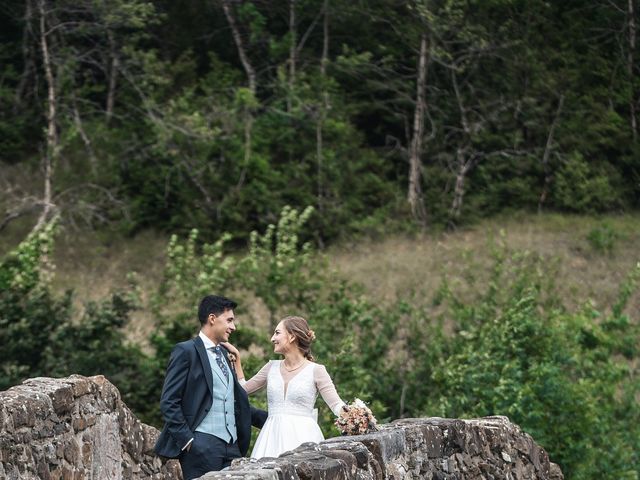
[186, 399]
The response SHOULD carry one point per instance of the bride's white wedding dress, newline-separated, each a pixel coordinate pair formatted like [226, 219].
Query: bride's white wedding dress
[291, 398]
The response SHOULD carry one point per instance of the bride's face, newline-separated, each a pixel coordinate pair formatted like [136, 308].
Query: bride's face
[282, 340]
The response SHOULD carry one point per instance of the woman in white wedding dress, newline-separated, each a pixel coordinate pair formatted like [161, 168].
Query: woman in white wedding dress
[292, 385]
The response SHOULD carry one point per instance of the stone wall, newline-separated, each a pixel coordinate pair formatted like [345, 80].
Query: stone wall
[75, 428]
[78, 428]
[425, 448]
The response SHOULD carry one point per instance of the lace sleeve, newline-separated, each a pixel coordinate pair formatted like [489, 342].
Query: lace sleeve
[258, 381]
[327, 390]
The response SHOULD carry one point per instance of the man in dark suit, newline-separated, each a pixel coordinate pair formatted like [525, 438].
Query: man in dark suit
[206, 412]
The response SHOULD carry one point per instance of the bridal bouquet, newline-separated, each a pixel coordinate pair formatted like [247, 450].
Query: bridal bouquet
[356, 419]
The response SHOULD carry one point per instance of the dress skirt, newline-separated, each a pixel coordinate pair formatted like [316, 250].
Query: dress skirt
[285, 431]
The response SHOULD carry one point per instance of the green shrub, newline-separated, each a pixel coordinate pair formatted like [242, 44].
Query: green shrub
[564, 377]
[40, 335]
[583, 188]
[603, 238]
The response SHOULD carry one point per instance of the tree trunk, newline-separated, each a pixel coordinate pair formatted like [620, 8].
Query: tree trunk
[414, 196]
[464, 166]
[325, 40]
[292, 52]
[325, 103]
[26, 55]
[93, 161]
[237, 38]
[547, 154]
[113, 76]
[52, 148]
[630, 67]
[251, 78]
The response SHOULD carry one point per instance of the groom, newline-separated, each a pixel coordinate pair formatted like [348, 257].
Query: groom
[206, 412]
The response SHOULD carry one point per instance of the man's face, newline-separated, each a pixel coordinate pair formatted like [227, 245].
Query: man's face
[223, 325]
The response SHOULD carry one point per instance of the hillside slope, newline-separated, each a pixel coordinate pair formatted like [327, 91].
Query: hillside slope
[590, 256]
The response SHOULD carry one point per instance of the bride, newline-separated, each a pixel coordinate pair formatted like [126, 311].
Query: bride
[292, 385]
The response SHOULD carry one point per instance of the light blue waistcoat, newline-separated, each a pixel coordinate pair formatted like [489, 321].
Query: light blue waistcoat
[221, 419]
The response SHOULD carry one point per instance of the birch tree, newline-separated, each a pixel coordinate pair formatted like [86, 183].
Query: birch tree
[414, 196]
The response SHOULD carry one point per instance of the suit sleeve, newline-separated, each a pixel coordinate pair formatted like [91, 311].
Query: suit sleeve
[172, 396]
[258, 417]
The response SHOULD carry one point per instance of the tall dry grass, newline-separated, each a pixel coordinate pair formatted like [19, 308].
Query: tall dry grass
[397, 266]
[93, 264]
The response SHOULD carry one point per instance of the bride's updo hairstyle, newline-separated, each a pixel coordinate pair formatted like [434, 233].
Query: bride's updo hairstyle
[299, 328]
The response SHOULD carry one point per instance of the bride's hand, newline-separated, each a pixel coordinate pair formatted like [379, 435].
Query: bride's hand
[231, 348]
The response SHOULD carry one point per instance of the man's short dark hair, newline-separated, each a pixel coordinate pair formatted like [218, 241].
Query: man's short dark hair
[215, 304]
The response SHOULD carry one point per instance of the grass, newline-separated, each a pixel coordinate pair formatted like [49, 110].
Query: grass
[93, 264]
[397, 266]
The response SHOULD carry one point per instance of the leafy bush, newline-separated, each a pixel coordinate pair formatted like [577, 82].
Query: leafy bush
[557, 374]
[581, 187]
[603, 238]
[276, 269]
[28, 311]
[41, 336]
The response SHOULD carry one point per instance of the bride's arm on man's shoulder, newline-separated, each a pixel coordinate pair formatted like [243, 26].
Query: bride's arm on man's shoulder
[236, 362]
[257, 381]
[327, 389]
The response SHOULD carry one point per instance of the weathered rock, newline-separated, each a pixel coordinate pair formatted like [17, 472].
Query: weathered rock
[79, 428]
[75, 428]
[425, 448]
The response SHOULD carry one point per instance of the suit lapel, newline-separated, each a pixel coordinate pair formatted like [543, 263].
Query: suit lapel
[204, 359]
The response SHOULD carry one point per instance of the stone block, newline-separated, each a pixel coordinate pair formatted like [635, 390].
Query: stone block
[43, 470]
[71, 451]
[246, 475]
[62, 399]
[385, 446]
[360, 452]
[81, 385]
[347, 458]
[264, 468]
[78, 424]
[315, 465]
[6, 446]
[24, 410]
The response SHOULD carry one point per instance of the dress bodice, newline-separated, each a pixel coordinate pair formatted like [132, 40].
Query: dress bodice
[296, 397]
[292, 417]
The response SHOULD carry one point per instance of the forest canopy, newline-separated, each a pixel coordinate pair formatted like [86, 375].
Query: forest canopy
[205, 113]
